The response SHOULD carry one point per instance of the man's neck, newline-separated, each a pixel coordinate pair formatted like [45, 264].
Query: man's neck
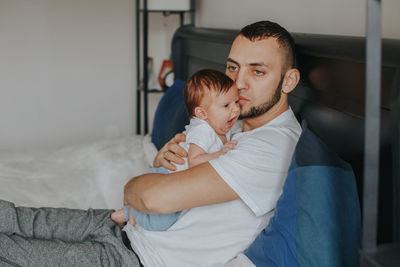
[253, 123]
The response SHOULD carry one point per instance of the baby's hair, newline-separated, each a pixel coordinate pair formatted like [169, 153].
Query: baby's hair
[199, 83]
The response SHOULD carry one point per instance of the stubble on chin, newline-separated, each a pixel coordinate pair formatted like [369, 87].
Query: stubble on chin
[256, 111]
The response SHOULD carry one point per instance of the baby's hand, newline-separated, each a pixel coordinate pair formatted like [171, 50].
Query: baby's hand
[228, 146]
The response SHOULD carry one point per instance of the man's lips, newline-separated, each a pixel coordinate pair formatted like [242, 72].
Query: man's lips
[242, 100]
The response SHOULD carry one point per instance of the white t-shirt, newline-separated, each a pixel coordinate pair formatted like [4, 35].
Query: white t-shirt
[212, 235]
[199, 132]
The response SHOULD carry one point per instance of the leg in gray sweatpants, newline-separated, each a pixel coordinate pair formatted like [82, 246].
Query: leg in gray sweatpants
[61, 237]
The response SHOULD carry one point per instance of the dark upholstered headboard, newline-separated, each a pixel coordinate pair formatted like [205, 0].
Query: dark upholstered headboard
[330, 96]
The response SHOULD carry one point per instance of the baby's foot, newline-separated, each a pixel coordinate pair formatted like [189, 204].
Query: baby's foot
[119, 217]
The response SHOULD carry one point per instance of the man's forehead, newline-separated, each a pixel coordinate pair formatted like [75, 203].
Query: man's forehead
[259, 52]
[242, 43]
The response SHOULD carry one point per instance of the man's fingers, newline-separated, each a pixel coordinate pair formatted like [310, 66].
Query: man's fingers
[172, 157]
[171, 152]
[168, 165]
[180, 137]
[175, 148]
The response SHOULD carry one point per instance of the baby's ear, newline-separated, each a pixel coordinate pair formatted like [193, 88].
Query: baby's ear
[200, 113]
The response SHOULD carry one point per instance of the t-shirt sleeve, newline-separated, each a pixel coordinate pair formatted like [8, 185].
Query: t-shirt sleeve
[256, 169]
[203, 136]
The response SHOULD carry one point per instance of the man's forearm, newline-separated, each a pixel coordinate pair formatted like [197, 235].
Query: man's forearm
[164, 193]
[134, 195]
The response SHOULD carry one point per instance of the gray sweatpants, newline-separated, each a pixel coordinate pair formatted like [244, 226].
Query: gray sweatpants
[60, 237]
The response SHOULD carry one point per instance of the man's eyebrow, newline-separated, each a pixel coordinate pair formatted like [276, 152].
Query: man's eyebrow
[232, 61]
[258, 64]
[253, 64]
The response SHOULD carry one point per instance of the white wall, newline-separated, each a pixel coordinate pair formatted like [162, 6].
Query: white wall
[66, 71]
[341, 17]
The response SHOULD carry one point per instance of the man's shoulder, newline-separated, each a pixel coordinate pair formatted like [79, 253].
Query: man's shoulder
[286, 119]
[285, 124]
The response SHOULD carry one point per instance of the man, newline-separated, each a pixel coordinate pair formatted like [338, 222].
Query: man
[225, 202]
[230, 199]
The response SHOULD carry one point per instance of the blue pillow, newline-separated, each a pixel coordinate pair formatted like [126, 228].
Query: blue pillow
[170, 117]
[317, 219]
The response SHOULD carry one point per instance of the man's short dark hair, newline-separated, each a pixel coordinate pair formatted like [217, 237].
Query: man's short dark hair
[264, 29]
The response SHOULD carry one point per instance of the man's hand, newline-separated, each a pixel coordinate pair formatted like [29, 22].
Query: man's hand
[171, 152]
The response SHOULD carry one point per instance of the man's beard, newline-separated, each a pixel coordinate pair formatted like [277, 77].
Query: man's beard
[263, 108]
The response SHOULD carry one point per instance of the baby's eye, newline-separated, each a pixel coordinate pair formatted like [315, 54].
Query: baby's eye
[226, 105]
[237, 101]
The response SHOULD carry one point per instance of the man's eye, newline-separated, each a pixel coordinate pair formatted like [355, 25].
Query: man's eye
[258, 72]
[237, 101]
[226, 105]
[231, 68]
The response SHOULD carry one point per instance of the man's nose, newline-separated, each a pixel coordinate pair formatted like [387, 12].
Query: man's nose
[241, 80]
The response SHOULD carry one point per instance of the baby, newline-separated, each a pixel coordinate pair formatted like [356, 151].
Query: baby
[211, 99]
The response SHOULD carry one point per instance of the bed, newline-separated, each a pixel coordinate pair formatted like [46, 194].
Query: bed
[330, 98]
[78, 176]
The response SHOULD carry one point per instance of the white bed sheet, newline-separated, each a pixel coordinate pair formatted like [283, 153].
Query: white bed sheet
[90, 175]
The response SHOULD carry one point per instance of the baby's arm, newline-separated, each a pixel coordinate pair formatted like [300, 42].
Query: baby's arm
[197, 155]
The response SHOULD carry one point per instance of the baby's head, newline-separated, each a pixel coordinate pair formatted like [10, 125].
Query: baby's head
[212, 96]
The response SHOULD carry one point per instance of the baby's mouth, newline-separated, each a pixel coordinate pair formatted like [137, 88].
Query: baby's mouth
[231, 121]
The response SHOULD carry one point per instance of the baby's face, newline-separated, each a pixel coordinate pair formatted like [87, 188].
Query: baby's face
[222, 110]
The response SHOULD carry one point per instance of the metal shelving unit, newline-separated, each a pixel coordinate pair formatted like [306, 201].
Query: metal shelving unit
[372, 254]
[142, 75]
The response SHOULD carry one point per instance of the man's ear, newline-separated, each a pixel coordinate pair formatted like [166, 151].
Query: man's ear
[291, 79]
[200, 113]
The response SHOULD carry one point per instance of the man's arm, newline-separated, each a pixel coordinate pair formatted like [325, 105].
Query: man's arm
[164, 193]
